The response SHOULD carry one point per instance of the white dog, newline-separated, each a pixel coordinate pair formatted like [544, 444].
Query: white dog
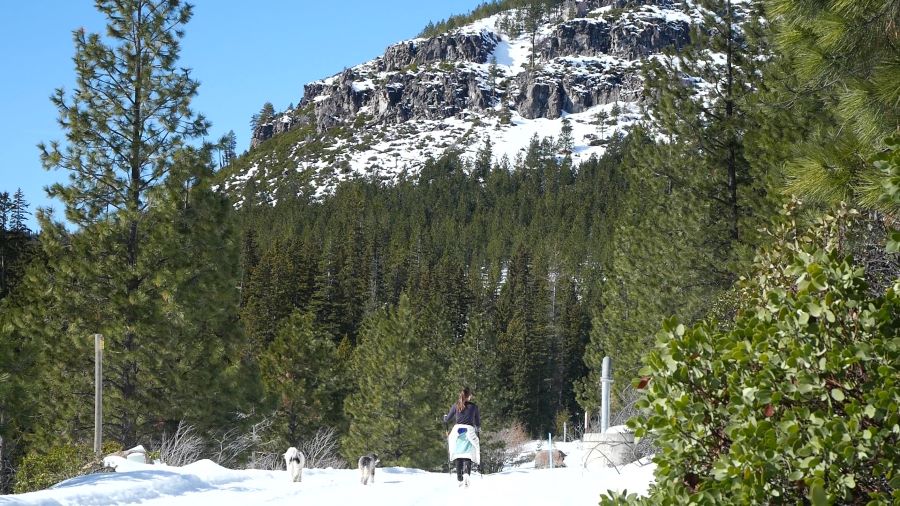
[294, 460]
[367, 465]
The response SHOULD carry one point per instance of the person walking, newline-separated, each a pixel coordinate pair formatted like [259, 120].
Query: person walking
[462, 440]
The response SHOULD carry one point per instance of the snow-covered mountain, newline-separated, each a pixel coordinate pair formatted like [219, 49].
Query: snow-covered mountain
[383, 118]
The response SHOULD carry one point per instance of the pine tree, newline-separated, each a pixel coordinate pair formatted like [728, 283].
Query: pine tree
[535, 10]
[845, 55]
[705, 147]
[493, 75]
[227, 149]
[615, 111]
[18, 212]
[655, 267]
[265, 115]
[600, 120]
[397, 399]
[523, 346]
[304, 375]
[566, 141]
[249, 261]
[279, 283]
[152, 265]
[5, 205]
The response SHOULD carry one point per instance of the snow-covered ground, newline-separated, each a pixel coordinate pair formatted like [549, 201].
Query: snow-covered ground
[205, 482]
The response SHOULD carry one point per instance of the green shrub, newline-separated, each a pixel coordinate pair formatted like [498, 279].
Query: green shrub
[797, 402]
[42, 469]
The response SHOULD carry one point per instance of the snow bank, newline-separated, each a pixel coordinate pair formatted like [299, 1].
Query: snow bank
[205, 482]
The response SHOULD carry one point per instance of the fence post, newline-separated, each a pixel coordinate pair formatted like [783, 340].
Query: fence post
[98, 394]
[565, 433]
[604, 403]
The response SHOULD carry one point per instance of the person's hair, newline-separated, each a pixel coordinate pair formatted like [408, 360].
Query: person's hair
[463, 397]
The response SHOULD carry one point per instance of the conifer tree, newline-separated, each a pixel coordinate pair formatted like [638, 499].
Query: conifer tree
[280, 282]
[152, 265]
[18, 212]
[397, 399]
[534, 11]
[249, 261]
[265, 115]
[5, 205]
[523, 346]
[710, 129]
[304, 375]
[566, 141]
[227, 149]
[845, 54]
[654, 269]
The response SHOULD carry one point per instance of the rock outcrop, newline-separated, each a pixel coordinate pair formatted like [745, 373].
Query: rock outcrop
[580, 63]
[400, 96]
[584, 83]
[452, 47]
[627, 37]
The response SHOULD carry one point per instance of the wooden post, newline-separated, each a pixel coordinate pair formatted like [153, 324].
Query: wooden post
[98, 394]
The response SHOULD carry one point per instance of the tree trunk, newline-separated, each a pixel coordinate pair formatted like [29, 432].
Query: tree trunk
[729, 115]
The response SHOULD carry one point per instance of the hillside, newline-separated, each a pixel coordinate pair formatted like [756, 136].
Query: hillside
[453, 91]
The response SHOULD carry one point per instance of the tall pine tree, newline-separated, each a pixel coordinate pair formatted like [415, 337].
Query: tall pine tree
[304, 375]
[397, 399]
[152, 262]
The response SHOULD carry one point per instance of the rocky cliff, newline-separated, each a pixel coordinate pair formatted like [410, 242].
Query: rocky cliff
[484, 80]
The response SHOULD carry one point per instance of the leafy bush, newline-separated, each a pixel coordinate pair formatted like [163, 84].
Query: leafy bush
[41, 469]
[798, 401]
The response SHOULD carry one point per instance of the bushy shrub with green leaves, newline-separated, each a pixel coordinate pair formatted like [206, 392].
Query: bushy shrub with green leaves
[43, 468]
[797, 402]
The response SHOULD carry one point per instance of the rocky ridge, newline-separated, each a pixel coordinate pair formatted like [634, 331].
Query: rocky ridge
[423, 96]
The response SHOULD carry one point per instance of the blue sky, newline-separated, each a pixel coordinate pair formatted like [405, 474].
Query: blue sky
[244, 54]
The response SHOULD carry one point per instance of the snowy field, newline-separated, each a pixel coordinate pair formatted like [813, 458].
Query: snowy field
[205, 482]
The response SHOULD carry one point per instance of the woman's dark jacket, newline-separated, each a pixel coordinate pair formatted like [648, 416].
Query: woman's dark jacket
[468, 416]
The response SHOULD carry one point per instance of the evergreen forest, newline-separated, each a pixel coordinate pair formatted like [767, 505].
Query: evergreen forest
[686, 253]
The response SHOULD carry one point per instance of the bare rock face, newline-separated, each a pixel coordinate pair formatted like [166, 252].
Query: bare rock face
[453, 47]
[579, 36]
[401, 96]
[624, 38]
[282, 123]
[581, 63]
[547, 93]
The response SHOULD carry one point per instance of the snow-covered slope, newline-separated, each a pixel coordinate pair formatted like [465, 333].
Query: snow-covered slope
[205, 482]
[386, 117]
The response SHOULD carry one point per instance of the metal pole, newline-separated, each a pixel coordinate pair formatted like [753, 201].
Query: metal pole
[98, 393]
[604, 403]
[565, 433]
[550, 448]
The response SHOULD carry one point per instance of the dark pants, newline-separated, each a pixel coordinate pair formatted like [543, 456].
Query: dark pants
[463, 465]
